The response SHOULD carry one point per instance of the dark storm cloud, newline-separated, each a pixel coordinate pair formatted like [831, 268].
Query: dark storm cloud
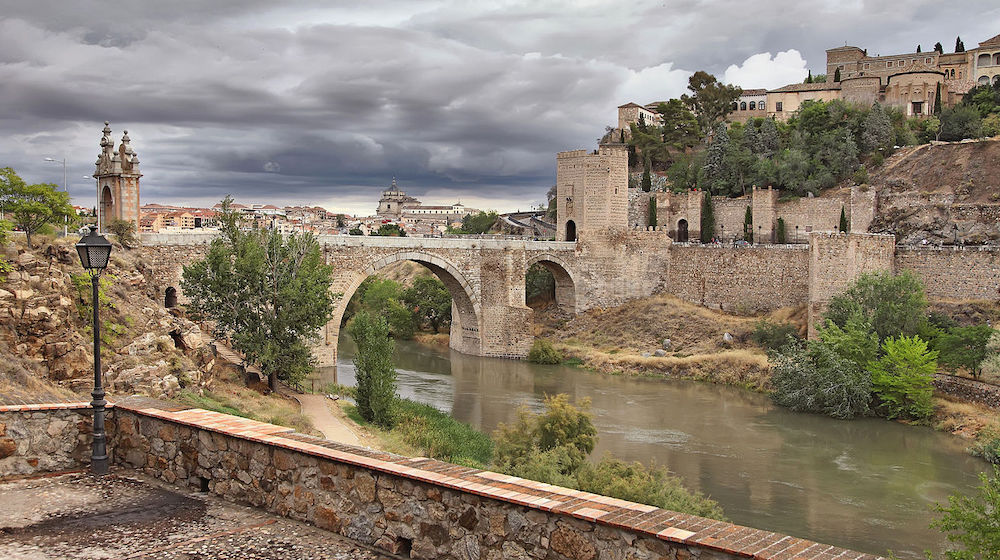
[308, 101]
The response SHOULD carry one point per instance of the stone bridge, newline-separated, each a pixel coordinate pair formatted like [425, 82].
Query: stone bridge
[485, 276]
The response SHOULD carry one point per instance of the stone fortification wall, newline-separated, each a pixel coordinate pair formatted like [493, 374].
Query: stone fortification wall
[41, 438]
[167, 255]
[638, 208]
[613, 267]
[417, 507]
[751, 279]
[958, 273]
[729, 215]
[813, 214]
[836, 259]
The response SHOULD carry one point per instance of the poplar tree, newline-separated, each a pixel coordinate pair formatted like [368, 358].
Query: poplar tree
[707, 219]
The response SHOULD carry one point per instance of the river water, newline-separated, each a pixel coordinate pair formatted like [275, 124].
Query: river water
[863, 484]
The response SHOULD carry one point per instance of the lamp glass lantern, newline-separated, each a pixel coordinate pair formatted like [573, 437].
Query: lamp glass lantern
[94, 250]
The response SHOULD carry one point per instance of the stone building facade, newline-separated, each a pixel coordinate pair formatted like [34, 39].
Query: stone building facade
[117, 175]
[397, 205]
[591, 191]
[752, 103]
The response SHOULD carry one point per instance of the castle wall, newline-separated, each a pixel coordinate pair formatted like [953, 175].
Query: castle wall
[813, 214]
[729, 215]
[836, 260]
[957, 273]
[749, 279]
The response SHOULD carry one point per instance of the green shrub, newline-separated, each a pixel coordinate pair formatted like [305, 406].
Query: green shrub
[561, 425]
[542, 352]
[820, 380]
[773, 336]
[987, 445]
[856, 341]
[441, 436]
[892, 305]
[901, 378]
[645, 485]
[861, 175]
[124, 231]
[964, 348]
[374, 371]
[972, 521]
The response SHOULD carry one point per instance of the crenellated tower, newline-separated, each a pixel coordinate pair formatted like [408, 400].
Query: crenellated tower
[117, 177]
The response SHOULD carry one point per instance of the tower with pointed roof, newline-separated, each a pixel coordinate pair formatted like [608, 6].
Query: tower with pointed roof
[117, 174]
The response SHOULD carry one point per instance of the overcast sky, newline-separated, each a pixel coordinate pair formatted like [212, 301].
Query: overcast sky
[324, 102]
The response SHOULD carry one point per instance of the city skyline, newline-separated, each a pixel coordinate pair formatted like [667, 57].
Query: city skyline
[319, 105]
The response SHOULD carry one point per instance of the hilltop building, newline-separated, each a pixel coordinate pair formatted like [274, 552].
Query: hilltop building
[398, 206]
[117, 174]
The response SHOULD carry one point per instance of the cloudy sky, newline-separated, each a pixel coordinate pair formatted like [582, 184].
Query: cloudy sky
[324, 102]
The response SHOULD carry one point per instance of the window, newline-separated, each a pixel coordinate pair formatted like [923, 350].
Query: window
[753, 105]
[736, 106]
[743, 105]
[929, 60]
[868, 65]
[777, 106]
[918, 107]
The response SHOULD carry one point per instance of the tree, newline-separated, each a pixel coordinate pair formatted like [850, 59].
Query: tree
[939, 48]
[710, 100]
[836, 75]
[843, 220]
[964, 348]
[960, 122]
[340, 220]
[918, 48]
[32, 207]
[938, 101]
[893, 305]
[901, 378]
[748, 225]
[479, 223]
[389, 230]
[124, 231]
[384, 297]
[707, 219]
[375, 374]
[876, 132]
[715, 170]
[5, 266]
[429, 300]
[647, 183]
[809, 78]
[283, 289]
[959, 45]
[562, 429]
[972, 521]
[770, 141]
[780, 234]
[652, 211]
[815, 378]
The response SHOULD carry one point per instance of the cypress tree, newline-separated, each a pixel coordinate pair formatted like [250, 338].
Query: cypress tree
[843, 220]
[959, 45]
[748, 225]
[939, 48]
[937, 100]
[647, 182]
[652, 210]
[836, 75]
[781, 231]
[918, 48]
[809, 78]
[707, 218]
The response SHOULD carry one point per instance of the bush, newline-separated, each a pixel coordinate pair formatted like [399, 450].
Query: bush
[901, 378]
[645, 485]
[438, 435]
[964, 348]
[892, 305]
[374, 371]
[820, 380]
[972, 521]
[773, 336]
[561, 425]
[124, 231]
[542, 352]
[987, 445]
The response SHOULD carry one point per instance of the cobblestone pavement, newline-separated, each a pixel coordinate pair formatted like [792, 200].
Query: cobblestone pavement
[126, 515]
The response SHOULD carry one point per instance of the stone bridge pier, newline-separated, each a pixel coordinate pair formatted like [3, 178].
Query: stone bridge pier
[484, 276]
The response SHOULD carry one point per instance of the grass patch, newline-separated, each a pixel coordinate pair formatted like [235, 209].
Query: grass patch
[577, 362]
[422, 430]
[230, 398]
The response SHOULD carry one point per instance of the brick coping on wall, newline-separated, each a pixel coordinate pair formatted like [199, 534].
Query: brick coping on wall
[48, 406]
[641, 519]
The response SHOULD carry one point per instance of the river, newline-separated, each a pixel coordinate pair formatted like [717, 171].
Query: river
[864, 484]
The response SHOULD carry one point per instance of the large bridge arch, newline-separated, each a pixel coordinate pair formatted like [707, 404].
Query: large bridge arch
[466, 307]
[565, 284]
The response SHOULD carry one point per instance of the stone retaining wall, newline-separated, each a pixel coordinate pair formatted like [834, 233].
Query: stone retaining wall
[968, 389]
[44, 438]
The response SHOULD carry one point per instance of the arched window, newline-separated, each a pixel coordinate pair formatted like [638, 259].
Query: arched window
[996, 59]
[983, 60]
[753, 105]
[984, 80]
[682, 231]
[170, 298]
[996, 80]
[735, 106]
[570, 230]
[743, 105]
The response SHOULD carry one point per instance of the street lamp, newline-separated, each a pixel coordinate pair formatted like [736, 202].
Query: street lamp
[65, 188]
[94, 251]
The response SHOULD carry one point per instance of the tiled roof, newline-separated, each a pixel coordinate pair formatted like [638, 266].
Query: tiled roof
[820, 86]
[992, 42]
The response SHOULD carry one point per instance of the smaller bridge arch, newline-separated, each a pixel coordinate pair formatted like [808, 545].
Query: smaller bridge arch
[565, 284]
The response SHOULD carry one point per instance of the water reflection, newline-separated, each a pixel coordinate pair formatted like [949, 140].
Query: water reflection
[864, 484]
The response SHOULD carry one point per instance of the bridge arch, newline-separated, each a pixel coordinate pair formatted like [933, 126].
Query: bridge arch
[565, 284]
[465, 308]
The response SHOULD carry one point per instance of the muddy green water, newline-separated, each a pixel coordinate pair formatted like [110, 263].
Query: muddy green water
[862, 484]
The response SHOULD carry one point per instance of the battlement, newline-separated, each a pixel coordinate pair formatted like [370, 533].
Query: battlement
[571, 154]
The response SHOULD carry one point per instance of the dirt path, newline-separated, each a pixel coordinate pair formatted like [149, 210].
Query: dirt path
[317, 408]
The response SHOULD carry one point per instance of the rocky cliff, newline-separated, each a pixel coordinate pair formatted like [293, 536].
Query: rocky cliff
[45, 332]
[934, 191]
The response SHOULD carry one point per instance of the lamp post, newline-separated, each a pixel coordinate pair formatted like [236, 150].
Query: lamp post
[94, 251]
[65, 188]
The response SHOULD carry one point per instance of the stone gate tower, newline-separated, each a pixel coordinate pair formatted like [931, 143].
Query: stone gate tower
[117, 177]
[591, 191]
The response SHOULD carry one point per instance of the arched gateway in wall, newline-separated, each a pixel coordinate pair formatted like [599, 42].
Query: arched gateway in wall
[565, 286]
